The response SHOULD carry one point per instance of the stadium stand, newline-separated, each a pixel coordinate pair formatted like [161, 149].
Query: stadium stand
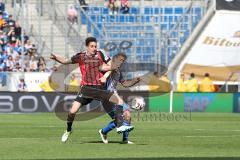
[151, 32]
[155, 28]
[12, 57]
[168, 26]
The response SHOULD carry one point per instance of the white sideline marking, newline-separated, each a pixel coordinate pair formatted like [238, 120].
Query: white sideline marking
[236, 130]
[22, 138]
[211, 136]
[31, 126]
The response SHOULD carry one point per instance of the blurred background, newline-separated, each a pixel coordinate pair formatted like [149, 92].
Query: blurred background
[174, 45]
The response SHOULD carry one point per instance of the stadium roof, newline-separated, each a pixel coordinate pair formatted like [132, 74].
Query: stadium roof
[214, 46]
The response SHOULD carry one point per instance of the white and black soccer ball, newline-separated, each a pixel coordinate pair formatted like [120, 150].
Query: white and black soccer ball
[138, 103]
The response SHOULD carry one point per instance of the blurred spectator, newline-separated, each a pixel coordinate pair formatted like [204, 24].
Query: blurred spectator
[22, 86]
[73, 84]
[192, 83]
[72, 14]
[4, 56]
[181, 86]
[17, 68]
[13, 40]
[31, 51]
[5, 15]
[83, 4]
[2, 6]
[32, 64]
[165, 85]
[26, 37]
[19, 64]
[159, 84]
[3, 77]
[5, 27]
[49, 85]
[11, 22]
[28, 45]
[217, 88]
[2, 65]
[10, 63]
[19, 50]
[3, 40]
[41, 64]
[124, 6]
[2, 21]
[113, 6]
[18, 30]
[206, 85]
[12, 52]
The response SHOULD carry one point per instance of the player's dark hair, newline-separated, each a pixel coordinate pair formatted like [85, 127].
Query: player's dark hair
[120, 55]
[192, 75]
[206, 74]
[156, 73]
[89, 40]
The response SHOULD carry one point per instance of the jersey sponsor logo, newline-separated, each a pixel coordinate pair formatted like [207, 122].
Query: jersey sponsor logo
[91, 61]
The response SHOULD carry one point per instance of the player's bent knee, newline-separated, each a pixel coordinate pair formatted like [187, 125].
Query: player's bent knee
[75, 107]
[127, 116]
[116, 99]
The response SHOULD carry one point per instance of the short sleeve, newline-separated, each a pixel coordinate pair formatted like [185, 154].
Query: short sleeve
[104, 56]
[76, 58]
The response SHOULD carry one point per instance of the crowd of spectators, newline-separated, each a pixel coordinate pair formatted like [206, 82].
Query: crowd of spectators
[17, 52]
[159, 83]
[193, 85]
[116, 6]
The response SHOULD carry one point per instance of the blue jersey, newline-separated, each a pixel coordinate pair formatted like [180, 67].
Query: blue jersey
[111, 85]
[114, 78]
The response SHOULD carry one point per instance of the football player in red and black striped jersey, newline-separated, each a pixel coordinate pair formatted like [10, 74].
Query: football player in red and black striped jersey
[91, 87]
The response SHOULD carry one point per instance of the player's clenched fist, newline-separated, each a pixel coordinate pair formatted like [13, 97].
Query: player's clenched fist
[53, 56]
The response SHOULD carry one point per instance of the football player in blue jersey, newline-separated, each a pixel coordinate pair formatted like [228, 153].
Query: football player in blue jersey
[111, 79]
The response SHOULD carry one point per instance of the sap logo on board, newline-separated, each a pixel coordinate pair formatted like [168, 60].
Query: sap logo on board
[195, 102]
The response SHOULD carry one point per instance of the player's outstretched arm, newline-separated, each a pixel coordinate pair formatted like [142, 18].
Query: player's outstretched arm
[130, 83]
[60, 59]
[103, 79]
[110, 66]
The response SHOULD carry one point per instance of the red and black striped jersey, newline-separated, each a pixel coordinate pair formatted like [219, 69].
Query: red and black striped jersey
[89, 66]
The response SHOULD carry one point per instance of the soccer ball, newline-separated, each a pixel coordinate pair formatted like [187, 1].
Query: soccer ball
[137, 103]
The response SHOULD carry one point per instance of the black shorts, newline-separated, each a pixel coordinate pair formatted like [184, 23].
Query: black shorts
[89, 93]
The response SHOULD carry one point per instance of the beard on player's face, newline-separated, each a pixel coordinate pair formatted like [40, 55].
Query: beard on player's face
[119, 60]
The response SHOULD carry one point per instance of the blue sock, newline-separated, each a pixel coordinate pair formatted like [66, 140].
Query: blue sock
[119, 115]
[125, 106]
[125, 136]
[126, 123]
[109, 127]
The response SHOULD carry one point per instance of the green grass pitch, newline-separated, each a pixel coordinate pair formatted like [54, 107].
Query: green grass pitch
[37, 136]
